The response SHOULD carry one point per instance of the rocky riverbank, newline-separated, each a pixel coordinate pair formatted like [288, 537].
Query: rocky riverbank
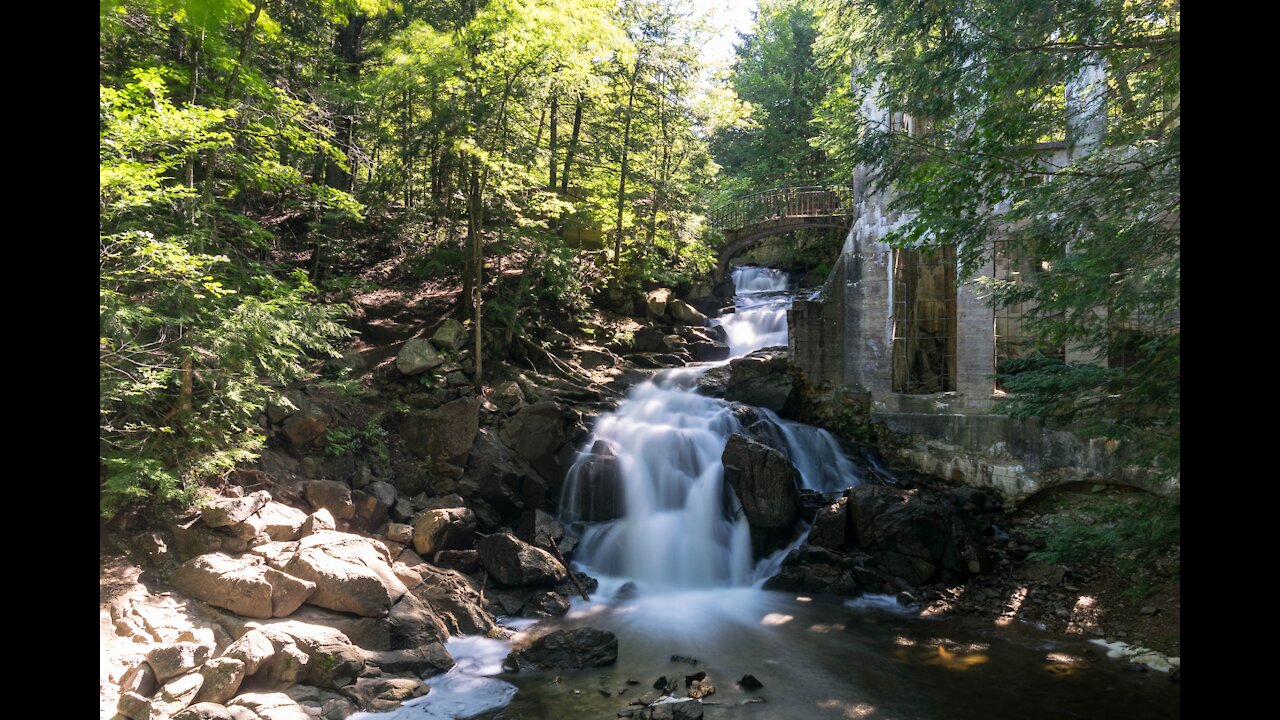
[394, 508]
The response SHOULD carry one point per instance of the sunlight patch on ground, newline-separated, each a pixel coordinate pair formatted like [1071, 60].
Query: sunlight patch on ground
[1012, 607]
[850, 710]
[943, 604]
[1063, 664]
[1085, 615]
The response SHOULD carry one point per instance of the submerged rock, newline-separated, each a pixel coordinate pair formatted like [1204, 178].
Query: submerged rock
[573, 649]
[671, 708]
[749, 682]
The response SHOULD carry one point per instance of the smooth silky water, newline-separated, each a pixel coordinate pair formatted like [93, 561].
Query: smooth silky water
[687, 549]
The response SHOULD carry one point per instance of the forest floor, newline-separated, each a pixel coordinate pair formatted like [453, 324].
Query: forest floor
[1117, 598]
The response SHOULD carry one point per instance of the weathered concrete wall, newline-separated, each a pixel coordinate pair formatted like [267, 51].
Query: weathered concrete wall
[1015, 458]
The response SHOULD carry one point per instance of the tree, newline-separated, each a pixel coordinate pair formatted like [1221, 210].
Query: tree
[192, 344]
[986, 82]
[777, 73]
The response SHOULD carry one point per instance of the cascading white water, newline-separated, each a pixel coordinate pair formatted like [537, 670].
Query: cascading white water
[760, 318]
[680, 529]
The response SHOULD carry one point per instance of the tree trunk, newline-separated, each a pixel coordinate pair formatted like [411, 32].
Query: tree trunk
[555, 105]
[189, 168]
[242, 55]
[622, 174]
[474, 229]
[347, 46]
[573, 145]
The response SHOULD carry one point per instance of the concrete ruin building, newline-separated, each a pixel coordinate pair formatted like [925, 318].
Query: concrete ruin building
[896, 325]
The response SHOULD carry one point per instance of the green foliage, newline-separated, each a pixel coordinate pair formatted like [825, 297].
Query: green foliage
[192, 343]
[132, 480]
[1132, 534]
[371, 440]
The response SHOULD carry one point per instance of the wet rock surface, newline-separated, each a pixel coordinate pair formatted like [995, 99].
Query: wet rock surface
[572, 649]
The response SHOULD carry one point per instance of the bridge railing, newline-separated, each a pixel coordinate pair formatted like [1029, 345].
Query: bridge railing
[785, 202]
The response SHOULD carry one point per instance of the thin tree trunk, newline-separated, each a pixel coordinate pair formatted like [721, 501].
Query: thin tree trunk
[474, 229]
[347, 46]
[622, 175]
[211, 155]
[189, 168]
[404, 151]
[555, 105]
[573, 145]
[537, 140]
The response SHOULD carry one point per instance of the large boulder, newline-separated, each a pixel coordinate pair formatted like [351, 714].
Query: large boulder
[572, 649]
[538, 434]
[417, 356]
[648, 339]
[330, 495]
[271, 706]
[656, 301]
[245, 585]
[222, 678]
[541, 529]
[513, 562]
[308, 653]
[446, 529]
[215, 711]
[252, 649]
[686, 314]
[223, 512]
[451, 335]
[763, 379]
[497, 475]
[281, 522]
[915, 540]
[445, 432]
[708, 350]
[384, 693]
[454, 599]
[170, 660]
[306, 425]
[351, 573]
[322, 703]
[831, 527]
[176, 695]
[765, 482]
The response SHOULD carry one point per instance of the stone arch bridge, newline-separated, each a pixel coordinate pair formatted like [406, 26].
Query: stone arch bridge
[748, 219]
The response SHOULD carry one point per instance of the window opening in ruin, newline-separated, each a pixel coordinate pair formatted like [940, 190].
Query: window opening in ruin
[924, 320]
[1012, 341]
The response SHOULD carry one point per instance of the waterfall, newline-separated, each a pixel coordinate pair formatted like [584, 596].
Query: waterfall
[648, 490]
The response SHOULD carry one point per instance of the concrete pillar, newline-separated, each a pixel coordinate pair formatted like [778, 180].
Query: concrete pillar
[1086, 101]
[868, 343]
[975, 344]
